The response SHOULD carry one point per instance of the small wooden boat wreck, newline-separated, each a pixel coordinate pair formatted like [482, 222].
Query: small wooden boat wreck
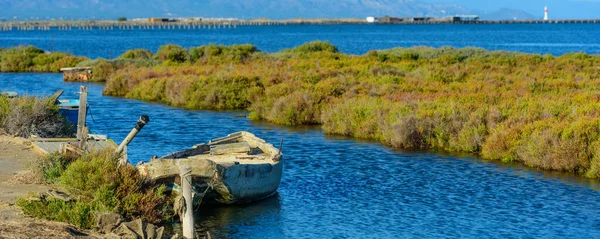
[9, 94]
[237, 168]
[69, 108]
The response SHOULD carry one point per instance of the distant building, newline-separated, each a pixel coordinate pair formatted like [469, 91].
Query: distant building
[546, 13]
[155, 20]
[388, 19]
[371, 19]
[463, 18]
[419, 19]
[77, 73]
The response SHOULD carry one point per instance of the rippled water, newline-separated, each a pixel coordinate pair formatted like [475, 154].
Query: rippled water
[339, 188]
[554, 39]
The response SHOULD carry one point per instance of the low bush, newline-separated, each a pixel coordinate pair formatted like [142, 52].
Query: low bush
[77, 213]
[26, 116]
[99, 185]
[32, 59]
[136, 54]
[233, 52]
[52, 166]
[315, 46]
[172, 53]
[102, 70]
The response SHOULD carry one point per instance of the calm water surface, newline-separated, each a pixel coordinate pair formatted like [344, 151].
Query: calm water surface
[341, 188]
[555, 39]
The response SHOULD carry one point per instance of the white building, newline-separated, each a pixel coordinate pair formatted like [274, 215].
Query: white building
[370, 19]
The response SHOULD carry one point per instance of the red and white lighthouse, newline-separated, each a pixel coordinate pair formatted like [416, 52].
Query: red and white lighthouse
[546, 13]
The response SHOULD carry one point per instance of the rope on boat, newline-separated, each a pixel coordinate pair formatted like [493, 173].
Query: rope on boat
[210, 185]
[179, 205]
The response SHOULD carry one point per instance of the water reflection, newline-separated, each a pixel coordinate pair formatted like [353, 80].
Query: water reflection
[241, 221]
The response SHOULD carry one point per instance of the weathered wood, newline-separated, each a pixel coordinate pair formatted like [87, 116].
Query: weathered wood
[57, 94]
[77, 73]
[52, 139]
[83, 93]
[47, 146]
[84, 138]
[186, 191]
[241, 147]
[69, 149]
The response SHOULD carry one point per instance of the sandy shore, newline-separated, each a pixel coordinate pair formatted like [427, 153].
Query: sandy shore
[17, 180]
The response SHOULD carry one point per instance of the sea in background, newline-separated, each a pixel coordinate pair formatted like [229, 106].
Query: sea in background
[555, 39]
[335, 187]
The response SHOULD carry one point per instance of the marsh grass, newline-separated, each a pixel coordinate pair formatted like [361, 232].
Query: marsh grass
[540, 110]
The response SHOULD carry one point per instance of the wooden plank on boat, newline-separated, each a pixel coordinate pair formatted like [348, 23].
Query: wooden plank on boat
[241, 147]
[52, 139]
[226, 138]
[56, 95]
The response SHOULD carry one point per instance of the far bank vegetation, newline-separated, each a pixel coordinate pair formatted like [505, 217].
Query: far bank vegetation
[32, 59]
[539, 110]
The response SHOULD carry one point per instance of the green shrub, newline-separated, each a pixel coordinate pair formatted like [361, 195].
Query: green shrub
[316, 46]
[77, 213]
[52, 166]
[173, 53]
[32, 59]
[99, 185]
[97, 180]
[298, 108]
[136, 54]
[233, 52]
[102, 70]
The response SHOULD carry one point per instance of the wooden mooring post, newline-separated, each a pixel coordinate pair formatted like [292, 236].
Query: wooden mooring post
[82, 114]
[186, 190]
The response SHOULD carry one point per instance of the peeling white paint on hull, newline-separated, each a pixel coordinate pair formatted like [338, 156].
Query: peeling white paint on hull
[237, 168]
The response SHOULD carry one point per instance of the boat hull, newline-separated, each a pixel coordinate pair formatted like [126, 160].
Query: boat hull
[220, 173]
[218, 183]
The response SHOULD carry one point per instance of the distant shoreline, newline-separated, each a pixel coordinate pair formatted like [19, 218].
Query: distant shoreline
[193, 23]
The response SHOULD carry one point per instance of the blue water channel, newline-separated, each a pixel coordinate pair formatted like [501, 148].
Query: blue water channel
[342, 188]
[556, 39]
[338, 187]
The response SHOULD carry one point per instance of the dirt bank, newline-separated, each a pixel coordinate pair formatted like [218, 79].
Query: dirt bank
[17, 180]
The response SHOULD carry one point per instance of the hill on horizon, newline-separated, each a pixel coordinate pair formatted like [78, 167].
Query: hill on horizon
[247, 9]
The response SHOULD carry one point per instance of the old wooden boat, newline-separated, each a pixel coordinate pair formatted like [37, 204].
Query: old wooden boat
[9, 94]
[237, 168]
[69, 108]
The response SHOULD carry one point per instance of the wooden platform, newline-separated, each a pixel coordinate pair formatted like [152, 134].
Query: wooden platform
[48, 146]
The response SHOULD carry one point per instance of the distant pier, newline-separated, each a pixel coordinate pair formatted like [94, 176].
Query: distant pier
[207, 25]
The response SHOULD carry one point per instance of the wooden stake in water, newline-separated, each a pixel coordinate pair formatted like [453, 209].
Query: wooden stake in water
[186, 191]
[83, 93]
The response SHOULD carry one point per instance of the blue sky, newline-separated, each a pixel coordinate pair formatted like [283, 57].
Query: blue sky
[557, 8]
